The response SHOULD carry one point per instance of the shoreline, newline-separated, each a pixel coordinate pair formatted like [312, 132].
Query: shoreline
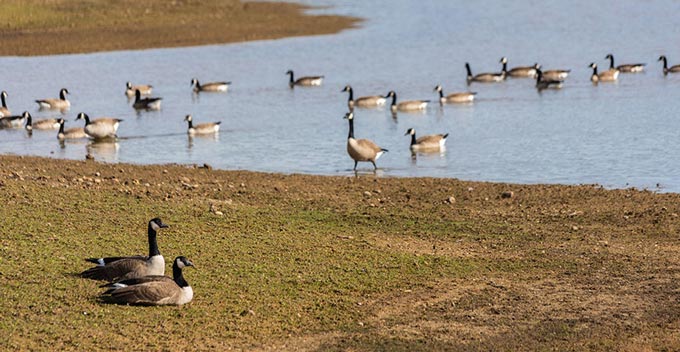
[35, 28]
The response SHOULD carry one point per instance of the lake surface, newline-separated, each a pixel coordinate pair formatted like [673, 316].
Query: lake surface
[618, 135]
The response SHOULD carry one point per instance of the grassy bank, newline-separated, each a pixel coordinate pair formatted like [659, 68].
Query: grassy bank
[295, 262]
[44, 27]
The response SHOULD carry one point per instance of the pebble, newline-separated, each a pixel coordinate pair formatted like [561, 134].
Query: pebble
[451, 200]
[367, 194]
[507, 194]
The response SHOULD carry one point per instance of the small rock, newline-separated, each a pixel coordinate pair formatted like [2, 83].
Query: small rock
[451, 200]
[165, 171]
[219, 213]
[97, 174]
[367, 194]
[207, 166]
[184, 179]
[574, 228]
[507, 194]
[89, 157]
[97, 180]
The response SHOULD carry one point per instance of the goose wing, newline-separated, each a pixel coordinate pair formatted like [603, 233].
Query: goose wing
[147, 293]
[115, 270]
[431, 139]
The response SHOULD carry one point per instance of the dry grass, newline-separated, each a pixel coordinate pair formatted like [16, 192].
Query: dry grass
[331, 263]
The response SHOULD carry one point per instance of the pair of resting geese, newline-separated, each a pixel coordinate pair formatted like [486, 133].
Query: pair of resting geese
[141, 280]
[365, 150]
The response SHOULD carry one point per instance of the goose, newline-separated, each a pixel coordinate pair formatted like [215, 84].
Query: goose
[361, 149]
[122, 268]
[105, 127]
[543, 83]
[52, 103]
[486, 77]
[629, 68]
[130, 90]
[304, 81]
[71, 133]
[457, 98]
[409, 105]
[202, 128]
[146, 103]
[13, 121]
[666, 69]
[433, 142]
[557, 75]
[523, 71]
[209, 87]
[4, 111]
[153, 290]
[46, 124]
[363, 102]
[606, 76]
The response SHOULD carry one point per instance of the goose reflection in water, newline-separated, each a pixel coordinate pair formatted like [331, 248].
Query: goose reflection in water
[103, 150]
[214, 137]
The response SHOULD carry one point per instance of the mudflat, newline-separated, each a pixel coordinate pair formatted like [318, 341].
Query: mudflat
[298, 262]
[45, 27]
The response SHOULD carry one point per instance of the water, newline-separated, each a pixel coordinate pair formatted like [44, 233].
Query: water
[617, 135]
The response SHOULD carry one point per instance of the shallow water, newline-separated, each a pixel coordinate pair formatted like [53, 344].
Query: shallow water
[618, 135]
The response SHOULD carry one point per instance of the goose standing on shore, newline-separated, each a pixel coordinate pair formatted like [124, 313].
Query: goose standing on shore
[361, 149]
[144, 89]
[371, 101]
[408, 105]
[454, 98]
[122, 268]
[14, 121]
[666, 69]
[606, 76]
[153, 290]
[101, 128]
[71, 133]
[201, 128]
[146, 103]
[432, 142]
[209, 87]
[544, 83]
[308, 81]
[4, 111]
[56, 104]
[487, 77]
[46, 124]
[628, 68]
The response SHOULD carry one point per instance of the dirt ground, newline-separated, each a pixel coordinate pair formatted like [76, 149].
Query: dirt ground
[45, 27]
[447, 264]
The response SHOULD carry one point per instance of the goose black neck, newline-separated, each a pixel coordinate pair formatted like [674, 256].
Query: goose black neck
[441, 93]
[351, 129]
[469, 71]
[413, 139]
[153, 245]
[665, 67]
[351, 94]
[191, 124]
[29, 121]
[138, 96]
[394, 99]
[62, 95]
[611, 62]
[4, 103]
[595, 71]
[505, 68]
[539, 76]
[178, 276]
[291, 81]
[61, 128]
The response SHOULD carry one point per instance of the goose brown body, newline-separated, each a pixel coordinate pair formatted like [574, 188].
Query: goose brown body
[627, 68]
[209, 87]
[371, 101]
[666, 69]
[408, 105]
[56, 104]
[71, 133]
[100, 128]
[606, 76]
[201, 128]
[455, 98]
[144, 89]
[307, 81]
[4, 110]
[432, 142]
[15, 121]
[361, 149]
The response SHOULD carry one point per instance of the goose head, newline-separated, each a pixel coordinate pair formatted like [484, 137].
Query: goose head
[187, 118]
[289, 72]
[183, 262]
[157, 224]
[194, 82]
[128, 85]
[592, 65]
[347, 88]
[410, 131]
[504, 60]
[438, 88]
[83, 116]
[349, 116]
[62, 93]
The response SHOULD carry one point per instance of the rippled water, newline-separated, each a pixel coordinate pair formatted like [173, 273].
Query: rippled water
[619, 135]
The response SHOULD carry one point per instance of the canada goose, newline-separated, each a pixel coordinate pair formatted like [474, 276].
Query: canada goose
[46, 124]
[361, 149]
[304, 81]
[13, 121]
[4, 111]
[202, 128]
[122, 268]
[145, 89]
[606, 76]
[666, 69]
[153, 290]
[209, 87]
[556, 75]
[487, 77]
[105, 127]
[146, 103]
[71, 133]
[458, 98]
[409, 105]
[363, 102]
[631, 68]
[543, 83]
[52, 103]
[431, 142]
[523, 71]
